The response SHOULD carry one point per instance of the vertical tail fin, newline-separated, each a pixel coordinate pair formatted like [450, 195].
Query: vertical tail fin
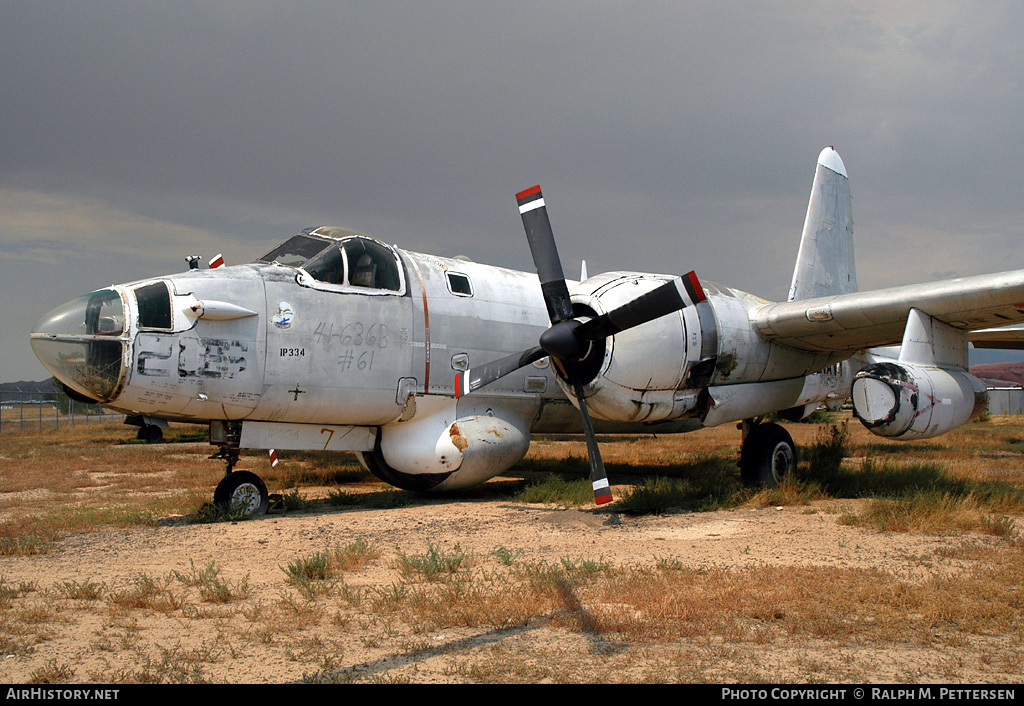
[825, 264]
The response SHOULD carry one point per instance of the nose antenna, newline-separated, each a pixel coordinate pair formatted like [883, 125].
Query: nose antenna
[193, 261]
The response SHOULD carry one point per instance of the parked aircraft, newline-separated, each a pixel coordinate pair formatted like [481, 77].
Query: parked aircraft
[435, 371]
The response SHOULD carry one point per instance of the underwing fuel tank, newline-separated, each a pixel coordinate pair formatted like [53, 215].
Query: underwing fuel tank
[441, 449]
[904, 401]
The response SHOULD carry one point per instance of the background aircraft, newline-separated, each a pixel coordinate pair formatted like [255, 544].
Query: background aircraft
[435, 371]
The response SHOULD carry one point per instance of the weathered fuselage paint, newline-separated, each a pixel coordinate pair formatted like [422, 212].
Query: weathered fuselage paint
[351, 356]
[303, 363]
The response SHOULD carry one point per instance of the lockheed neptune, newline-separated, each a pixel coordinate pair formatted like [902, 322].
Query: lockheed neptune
[435, 371]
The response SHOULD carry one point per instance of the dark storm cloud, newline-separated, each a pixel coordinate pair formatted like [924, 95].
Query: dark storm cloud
[667, 136]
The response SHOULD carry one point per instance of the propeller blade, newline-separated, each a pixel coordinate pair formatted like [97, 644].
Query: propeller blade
[475, 378]
[667, 298]
[598, 476]
[545, 254]
[567, 338]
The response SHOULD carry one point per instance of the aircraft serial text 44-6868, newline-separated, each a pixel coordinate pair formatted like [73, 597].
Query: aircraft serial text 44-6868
[435, 371]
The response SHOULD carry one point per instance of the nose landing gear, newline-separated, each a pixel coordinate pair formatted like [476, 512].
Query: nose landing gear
[242, 493]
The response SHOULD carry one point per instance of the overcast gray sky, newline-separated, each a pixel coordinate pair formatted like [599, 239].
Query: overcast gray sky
[668, 136]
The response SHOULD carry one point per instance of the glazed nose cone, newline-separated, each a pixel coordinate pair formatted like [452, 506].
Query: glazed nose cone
[82, 342]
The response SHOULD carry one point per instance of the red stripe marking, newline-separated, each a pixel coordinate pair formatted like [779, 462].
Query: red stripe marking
[426, 329]
[602, 499]
[696, 286]
[528, 192]
[458, 385]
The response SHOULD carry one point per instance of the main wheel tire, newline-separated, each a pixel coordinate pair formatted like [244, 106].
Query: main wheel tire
[151, 433]
[768, 456]
[243, 491]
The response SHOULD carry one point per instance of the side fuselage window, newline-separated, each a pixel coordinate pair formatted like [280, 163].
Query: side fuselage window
[459, 284]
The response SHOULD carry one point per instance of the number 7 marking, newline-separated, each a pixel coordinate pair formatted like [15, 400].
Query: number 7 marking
[331, 432]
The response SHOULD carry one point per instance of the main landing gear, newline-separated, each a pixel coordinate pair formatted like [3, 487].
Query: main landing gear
[150, 433]
[150, 430]
[767, 456]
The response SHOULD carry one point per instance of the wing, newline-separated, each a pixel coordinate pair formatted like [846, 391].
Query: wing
[850, 322]
[1005, 337]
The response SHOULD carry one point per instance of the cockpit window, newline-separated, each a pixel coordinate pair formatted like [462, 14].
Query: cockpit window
[296, 251]
[154, 306]
[328, 266]
[371, 264]
[104, 314]
[355, 261]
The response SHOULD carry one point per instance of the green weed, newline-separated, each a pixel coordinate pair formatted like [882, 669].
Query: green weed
[435, 564]
[701, 491]
[87, 590]
[825, 456]
[554, 490]
[52, 673]
[212, 588]
[507, 556]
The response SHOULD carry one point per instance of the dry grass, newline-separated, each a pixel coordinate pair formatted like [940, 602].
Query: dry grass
[505, 619]
[78, 479]
[88, 477]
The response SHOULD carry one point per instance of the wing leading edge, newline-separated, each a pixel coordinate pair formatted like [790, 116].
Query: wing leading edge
[850, 322]
[1004, 337]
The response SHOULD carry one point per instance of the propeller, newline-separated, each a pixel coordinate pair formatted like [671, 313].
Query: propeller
[568, 339]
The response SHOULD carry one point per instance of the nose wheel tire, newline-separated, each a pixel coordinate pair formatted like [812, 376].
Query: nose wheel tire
[767, 457]
[244, 492]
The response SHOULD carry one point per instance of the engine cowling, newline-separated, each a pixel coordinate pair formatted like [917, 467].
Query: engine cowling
[637, 375]
[904, 401]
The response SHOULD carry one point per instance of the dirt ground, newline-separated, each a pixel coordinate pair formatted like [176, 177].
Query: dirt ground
[269, 637]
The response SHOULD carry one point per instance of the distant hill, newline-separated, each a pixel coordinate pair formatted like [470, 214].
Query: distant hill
[1010, 373]
[27, 386]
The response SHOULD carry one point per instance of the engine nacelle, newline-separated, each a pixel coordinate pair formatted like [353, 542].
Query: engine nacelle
[637, 375]
[904, 401]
